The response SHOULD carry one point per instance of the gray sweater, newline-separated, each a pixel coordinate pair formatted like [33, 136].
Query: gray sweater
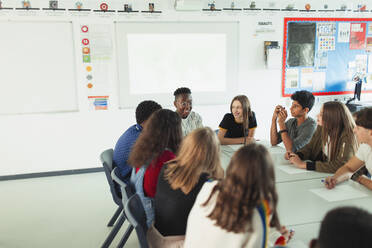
[300, 135]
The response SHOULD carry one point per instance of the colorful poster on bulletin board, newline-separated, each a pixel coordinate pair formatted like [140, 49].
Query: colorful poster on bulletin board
[323, 55]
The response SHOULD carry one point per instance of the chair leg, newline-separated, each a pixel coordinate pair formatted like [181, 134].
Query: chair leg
[113, 232]
[115, 216]
[125, 236]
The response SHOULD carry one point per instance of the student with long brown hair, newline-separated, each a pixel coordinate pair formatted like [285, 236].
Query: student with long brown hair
[180, 181]
[333, 142]
[238, 126]
[354, 167]
[157, 144]
[239, 210]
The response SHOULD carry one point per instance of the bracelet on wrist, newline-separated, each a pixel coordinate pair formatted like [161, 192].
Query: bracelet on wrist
[283, 131]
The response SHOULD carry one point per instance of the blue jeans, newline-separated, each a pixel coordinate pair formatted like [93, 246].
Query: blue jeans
[136, 180]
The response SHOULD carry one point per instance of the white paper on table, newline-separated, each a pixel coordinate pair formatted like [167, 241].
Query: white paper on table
[291, 169]
[339, 193]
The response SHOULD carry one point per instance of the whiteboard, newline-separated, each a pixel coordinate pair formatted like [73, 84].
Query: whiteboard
[37, 67]
[156, 58]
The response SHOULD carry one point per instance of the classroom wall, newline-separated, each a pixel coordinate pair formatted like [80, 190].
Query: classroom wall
[73, 140]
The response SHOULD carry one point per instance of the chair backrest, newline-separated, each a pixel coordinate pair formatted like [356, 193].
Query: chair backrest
[108, 165]
[126, 190]
[137, 217]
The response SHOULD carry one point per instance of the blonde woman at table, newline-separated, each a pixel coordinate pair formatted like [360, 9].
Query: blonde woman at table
[240, 210]
[238, 126]
[179, 183]
[333, 142]
[363, 157]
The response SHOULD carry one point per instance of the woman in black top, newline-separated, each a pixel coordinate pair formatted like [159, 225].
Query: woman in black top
[179, 183]
[238, 126]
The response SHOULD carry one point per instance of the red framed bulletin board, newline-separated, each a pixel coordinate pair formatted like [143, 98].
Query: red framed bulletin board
[324, 58]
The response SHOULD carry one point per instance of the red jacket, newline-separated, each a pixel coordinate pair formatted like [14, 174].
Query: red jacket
[150, 179]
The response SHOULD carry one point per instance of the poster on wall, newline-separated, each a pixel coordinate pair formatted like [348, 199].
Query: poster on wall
[326, 43]
[307, 75]
[343, 32]
[369, 45]
[292, 78]
[358, 36]
[326, 29]
[97, 57]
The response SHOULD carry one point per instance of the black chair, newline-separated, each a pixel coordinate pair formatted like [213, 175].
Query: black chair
[126, 192]
[108, 166]
[137, 217]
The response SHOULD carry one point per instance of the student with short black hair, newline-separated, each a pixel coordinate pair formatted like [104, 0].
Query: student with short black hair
[183, 103]
[345, 227]
[128, 138]
[241, 209]
[333, 142]
[240, 124]
[363, 156]
[297, 131]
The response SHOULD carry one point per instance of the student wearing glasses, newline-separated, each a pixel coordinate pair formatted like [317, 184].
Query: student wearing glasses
[183, 103]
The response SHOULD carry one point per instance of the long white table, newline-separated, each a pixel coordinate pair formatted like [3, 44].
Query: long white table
[297, 205]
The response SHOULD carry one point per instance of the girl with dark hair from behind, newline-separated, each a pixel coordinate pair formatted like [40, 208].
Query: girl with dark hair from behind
[333, 142]
[345, 227]
[240, 210]
[179, 183]
[157, 144]
[238, 127]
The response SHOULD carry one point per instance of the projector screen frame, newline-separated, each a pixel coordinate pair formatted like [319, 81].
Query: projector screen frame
[230, 28]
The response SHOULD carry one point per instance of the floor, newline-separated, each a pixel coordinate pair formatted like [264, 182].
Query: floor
[61, 211]
[71, 211]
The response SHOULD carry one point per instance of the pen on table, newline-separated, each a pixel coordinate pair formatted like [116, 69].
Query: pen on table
[324, 181]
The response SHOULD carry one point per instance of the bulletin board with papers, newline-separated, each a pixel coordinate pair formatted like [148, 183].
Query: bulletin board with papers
[322, 55]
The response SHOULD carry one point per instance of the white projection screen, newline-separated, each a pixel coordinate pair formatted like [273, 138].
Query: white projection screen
[156, 58]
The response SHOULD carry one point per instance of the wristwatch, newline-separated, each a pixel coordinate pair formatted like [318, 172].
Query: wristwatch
[358, 173]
